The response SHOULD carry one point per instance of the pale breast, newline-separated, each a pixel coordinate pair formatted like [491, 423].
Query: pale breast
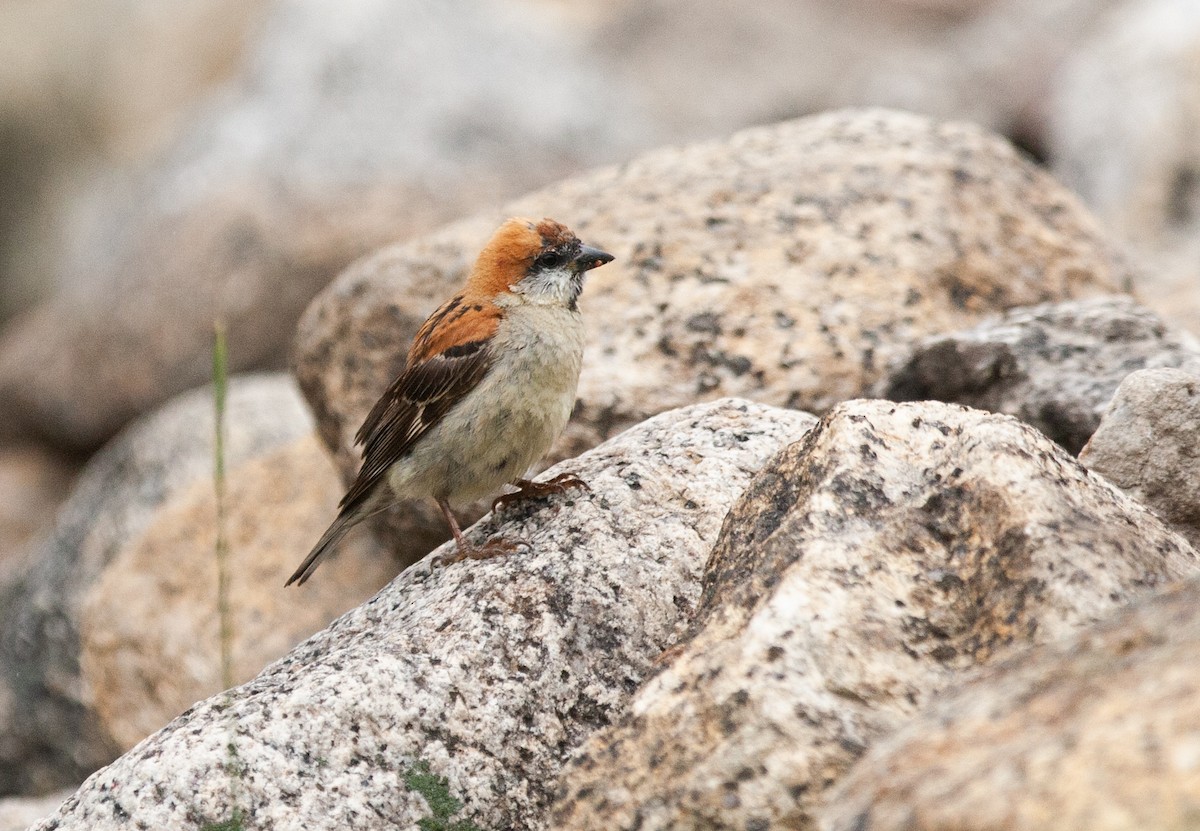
[509, 422]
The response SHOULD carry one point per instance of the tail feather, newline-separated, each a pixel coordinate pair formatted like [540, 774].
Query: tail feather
[372, 503]
[329, 540]
[327, 543]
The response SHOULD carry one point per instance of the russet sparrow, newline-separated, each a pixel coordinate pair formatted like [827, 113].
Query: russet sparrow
[488, 385]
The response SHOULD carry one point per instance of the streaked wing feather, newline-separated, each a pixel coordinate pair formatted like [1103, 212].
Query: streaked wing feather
[414, 403]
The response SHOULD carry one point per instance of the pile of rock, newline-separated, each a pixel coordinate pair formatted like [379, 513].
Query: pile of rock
[891, 445]
[735, 625]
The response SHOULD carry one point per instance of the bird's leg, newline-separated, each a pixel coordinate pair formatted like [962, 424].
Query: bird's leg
[463, 550]
[535, 490]
[459, 539]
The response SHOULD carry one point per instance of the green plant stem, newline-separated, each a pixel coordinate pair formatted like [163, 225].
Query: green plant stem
[220, 390]
[233, 768]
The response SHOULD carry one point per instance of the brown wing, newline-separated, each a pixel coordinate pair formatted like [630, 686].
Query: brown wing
[449, 357]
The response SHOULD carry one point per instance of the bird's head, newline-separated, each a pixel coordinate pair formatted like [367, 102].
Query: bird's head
[539, 262]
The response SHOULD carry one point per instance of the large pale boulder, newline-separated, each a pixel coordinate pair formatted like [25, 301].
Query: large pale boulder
[1102, 731]
[18, 813]
[865, 569]
[487, 672]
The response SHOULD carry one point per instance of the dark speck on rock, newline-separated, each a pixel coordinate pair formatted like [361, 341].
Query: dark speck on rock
[706, 322]
[739, 364]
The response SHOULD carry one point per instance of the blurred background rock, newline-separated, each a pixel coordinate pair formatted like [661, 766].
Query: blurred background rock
[88, 91]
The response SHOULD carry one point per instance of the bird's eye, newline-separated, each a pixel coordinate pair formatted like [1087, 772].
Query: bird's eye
[549, 259]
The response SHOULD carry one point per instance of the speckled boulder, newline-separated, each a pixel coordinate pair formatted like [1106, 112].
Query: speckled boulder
[351, 126]
[865, 568]
[49, 735]
[1148, 444]
[787, 264]
[1122, 133]
[1054, 366]
[1100, 732]
[490, 672]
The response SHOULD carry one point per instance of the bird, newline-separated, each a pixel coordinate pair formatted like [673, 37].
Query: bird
[488, 384]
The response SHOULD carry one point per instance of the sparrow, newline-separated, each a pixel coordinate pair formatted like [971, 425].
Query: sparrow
[488, 385]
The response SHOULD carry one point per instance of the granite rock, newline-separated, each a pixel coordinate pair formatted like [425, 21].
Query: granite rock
[867, 567]
[1055, 366]
[1102, 731]
[490, 672]
[1148, 444]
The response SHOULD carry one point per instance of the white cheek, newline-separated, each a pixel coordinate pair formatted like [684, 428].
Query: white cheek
[556, 286]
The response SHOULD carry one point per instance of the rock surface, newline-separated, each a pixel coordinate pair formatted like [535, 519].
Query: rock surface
[1101, 732]
[490, 671]
[786, 264]
[863, 570]
[1123, 134]
[1148, 444]
[149, 631]
[344, 132]
[48, 735]
[1054, 366]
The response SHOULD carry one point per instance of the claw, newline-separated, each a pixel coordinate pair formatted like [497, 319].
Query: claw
[495, 547]
[565, 481]
[536, 490]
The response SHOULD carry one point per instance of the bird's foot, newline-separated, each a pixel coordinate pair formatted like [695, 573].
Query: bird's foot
[494, 547]
[536, 490]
